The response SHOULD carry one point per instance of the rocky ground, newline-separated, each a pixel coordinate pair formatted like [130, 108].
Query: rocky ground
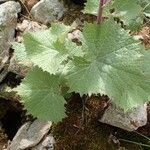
[82, 128]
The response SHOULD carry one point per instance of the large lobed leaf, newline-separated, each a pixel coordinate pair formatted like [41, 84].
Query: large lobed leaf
[50, 49]
[40, 93]
[46, 48]
[112, 66]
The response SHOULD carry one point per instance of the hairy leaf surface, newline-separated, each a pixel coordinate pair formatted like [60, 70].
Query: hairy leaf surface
[130, 12]
[40, 93]
[19, 51]
[46, 48]
[91, 7]
[112, 65]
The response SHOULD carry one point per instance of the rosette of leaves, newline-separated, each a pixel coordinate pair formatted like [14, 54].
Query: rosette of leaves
[109, 61]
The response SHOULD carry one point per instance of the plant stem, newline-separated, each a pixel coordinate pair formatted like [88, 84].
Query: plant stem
[100, 11]
[136, 143]
[147, 138]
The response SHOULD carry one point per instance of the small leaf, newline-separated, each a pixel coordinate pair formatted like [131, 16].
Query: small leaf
[40, 93]
[91, 7]
[130, 12]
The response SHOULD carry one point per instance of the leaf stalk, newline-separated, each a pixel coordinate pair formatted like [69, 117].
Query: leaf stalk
[100, 11]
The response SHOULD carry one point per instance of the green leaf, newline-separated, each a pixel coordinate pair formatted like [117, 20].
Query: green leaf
[146, 62]
[40, 93]
[46, 48]
[73, 49]
[91, 7]
[112, 65]
[19, 51]
[145, 4]
[130, 12]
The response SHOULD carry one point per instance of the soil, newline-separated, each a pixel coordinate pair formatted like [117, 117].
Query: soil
[11, 118]
[3, 140]
[12, 113]
[81, 129]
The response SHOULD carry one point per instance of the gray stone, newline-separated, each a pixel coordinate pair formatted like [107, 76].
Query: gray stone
[3, 67]
[130, 120]
[30, 135]
[20, 68]
[8, 20]
[46, 11]
[46, 144]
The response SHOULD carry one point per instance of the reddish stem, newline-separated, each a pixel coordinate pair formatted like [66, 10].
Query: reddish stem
[100, 11]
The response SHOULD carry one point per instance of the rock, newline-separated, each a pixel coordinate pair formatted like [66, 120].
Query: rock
[3, 67]
[74, 35]
[2, 1]
[20, 68]
[8, 20]
[129, 121]
[29, 135]
[46, 144]
[47, 11]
